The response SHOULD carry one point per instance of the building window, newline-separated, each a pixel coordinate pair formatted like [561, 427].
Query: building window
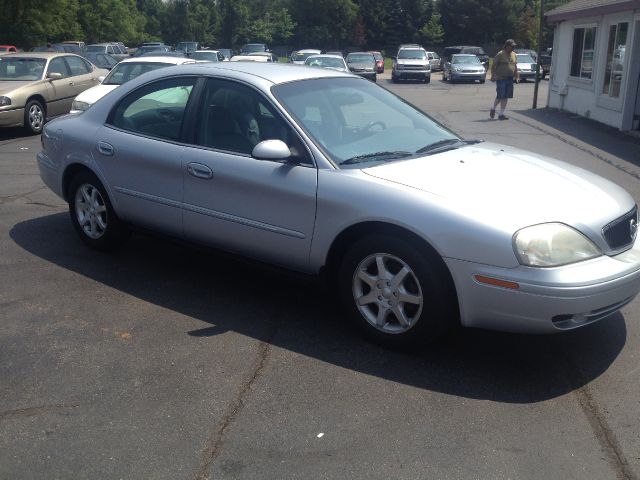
[614, 68]
[584, 40]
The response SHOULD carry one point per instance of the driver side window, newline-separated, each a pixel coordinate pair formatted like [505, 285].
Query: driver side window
[57, 65]
[235, 118]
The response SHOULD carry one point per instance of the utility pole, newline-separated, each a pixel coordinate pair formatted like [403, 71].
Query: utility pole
[535, 88]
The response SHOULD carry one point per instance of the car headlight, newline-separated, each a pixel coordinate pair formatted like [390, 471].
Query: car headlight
[552, 245]
[4, 101]
[77, 105]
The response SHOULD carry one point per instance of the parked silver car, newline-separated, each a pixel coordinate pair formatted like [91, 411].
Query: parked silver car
[327, 173]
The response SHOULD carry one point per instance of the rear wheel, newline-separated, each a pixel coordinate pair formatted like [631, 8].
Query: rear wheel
[34, 117]
[92, 215]
[397, 294]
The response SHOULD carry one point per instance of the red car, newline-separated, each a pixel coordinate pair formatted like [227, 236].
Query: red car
[7, 49]
[379, 62]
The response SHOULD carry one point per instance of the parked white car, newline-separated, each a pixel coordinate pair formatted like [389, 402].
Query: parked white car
[123, 72]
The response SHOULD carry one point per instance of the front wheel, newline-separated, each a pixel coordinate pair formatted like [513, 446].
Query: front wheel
[92, 215]
[34, 117]
[397, 294]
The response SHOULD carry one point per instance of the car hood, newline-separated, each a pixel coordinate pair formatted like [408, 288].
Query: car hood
[93, 94]
[10, 86]
[511, 188]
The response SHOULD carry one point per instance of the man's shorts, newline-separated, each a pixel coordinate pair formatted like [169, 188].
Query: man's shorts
[504, 88]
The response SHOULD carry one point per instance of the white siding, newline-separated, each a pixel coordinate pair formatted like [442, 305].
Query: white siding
[581, 96]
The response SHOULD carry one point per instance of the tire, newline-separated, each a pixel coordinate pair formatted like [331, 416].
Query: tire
[92, 214]
[417, 311]
[394, 79]
[427, 79]
[34, 117]
[483, 80]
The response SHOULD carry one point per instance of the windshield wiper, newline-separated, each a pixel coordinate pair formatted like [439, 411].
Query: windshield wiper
[376, 156]
[448, 144]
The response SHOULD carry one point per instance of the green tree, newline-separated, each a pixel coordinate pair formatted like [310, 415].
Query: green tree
[327, 24]
[110, 20]
[28, 23]
[432, 31]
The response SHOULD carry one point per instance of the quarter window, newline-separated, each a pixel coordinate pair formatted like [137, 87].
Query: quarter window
[584, 40]
[155, 110]
[614, 68]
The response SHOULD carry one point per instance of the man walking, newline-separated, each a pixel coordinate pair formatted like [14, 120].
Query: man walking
[504, 71]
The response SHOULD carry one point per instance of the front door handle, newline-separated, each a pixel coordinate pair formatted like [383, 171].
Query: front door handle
[199, 170]
[105, 148]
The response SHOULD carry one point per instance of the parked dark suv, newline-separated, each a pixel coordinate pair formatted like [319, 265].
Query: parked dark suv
[477, 51]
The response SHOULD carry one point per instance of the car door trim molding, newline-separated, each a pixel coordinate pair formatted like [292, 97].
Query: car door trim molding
[146, 196]
[244, 221]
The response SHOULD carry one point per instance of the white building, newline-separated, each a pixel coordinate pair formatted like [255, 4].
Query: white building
[595, 71]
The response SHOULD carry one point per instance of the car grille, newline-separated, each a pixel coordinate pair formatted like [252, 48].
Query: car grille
[622, 231]
[415, 67]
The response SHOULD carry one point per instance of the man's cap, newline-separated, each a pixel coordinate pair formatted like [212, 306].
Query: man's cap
[510, 43]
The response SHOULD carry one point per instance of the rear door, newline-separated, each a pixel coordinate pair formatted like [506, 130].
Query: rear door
[140, 153]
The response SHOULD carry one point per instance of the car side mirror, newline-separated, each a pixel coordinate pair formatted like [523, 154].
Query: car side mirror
[54, 76]
[271, 150]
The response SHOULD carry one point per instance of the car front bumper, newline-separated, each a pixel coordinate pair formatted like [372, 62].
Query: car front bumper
[527, 75]
[547, 300]
[12, 118]
[367, 75]
[412, 74]
[468, 76]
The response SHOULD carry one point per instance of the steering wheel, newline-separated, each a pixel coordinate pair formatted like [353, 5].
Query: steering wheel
[369, 127]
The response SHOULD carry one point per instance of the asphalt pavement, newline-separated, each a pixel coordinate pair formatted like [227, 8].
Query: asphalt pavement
[163, 361]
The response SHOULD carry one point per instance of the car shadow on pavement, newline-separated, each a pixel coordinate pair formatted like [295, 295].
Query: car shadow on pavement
[11, 133]
[590, 132]
[300, 315]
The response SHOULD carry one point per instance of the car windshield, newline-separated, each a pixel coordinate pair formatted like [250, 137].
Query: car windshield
[378, 56]
[472, 59]
[255, 47]
[302, 56]
[337, 113]
[123, 72]
[412, 54]
[327, 62]
[360, 58]
[21, 69]
[187, 46]
[210, 56]
[473, 50]
[525, 58]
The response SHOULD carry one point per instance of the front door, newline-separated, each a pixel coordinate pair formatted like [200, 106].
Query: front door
[259, 208]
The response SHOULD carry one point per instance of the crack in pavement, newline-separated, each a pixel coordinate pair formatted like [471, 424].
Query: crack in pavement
[11, 198]
[604, 435]
[212, 447]
[33, 411]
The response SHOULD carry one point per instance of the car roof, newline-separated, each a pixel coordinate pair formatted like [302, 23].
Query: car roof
[271, 72]
[206, 51]
[308, 50]
[330, 55]
[464, 55]
[44, 55]
[159, 58]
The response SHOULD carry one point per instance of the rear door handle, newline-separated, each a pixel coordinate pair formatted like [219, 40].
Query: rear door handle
[199, 170]
[105, 148]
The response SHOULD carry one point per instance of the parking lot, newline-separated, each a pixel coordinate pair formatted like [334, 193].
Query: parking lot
[166, 361]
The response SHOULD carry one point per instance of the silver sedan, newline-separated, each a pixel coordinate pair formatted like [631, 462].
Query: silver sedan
[326, 173]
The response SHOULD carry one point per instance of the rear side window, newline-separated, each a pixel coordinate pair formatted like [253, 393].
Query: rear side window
[155, 110]
[77, 66]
